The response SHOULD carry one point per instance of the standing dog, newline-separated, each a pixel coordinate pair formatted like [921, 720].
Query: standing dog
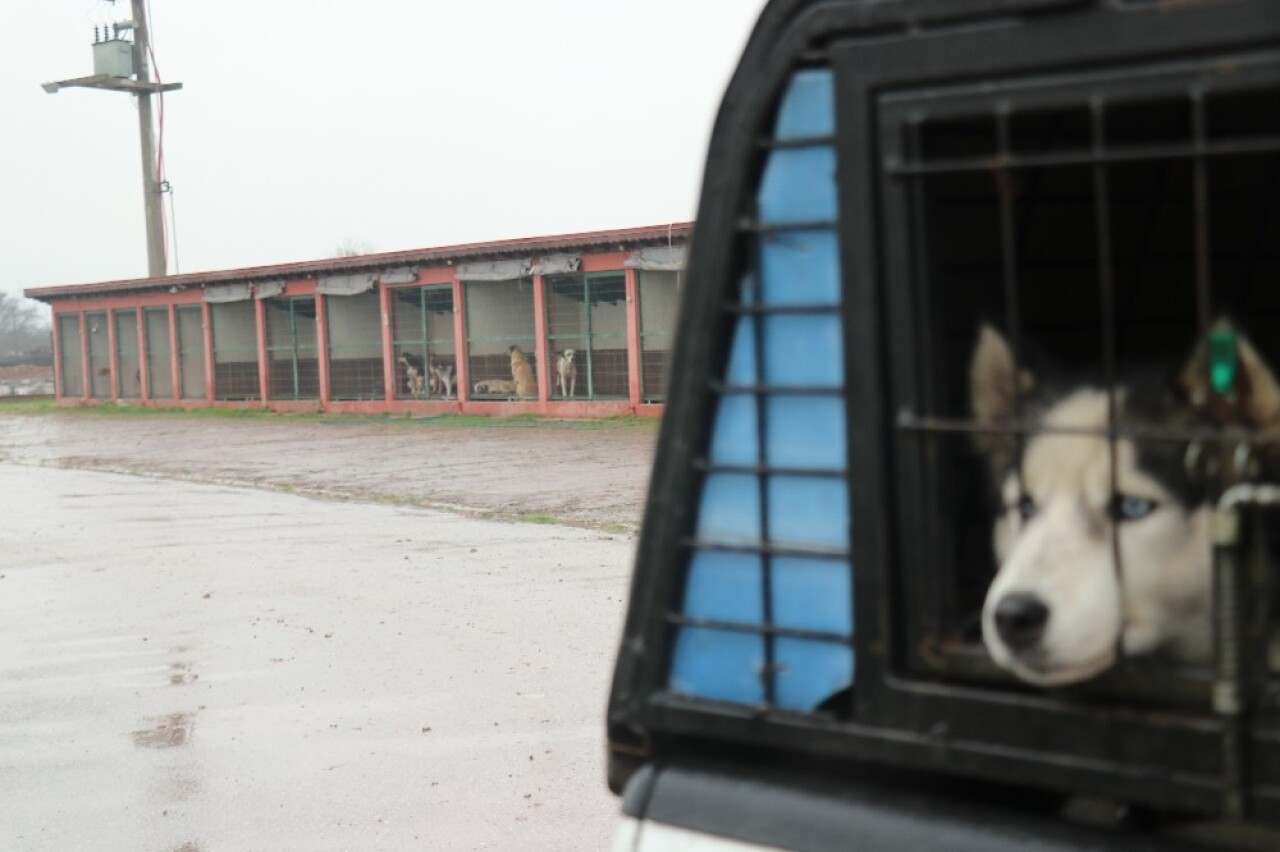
[1058, 608]
[522, 374]
[567, 372]
[414, 375]
[442, 378]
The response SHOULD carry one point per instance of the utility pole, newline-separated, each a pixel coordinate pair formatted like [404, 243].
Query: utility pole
[116, 61]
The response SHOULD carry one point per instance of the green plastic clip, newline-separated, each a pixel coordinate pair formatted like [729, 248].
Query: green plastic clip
[1223, 361]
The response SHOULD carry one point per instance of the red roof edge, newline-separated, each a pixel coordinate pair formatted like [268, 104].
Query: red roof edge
[623, 238]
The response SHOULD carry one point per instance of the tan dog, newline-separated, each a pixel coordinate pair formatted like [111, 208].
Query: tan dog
[522, 374]
[415, 381]
[495, 386]
[442, 378]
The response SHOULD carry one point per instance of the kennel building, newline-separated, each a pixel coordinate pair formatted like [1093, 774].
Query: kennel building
[1098, 179]
[425, 331]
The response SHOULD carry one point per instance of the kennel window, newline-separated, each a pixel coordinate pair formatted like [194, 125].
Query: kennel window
[766, 614]
[659, 294]
[1102, 224]
[128, 364]
[499, 315]
[159, 352]
[235, 351]
[99, 354]
[71, 378]
[354, 328]
[293, 363]
[588, 314]
[422, 334]
[191, 355]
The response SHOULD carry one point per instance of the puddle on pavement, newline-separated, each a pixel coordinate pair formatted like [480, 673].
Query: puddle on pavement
[174, 731]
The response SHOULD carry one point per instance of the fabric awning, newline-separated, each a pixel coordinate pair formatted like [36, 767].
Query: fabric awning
[222, 293]
[493, 270]
[346, 285]
[657, 258]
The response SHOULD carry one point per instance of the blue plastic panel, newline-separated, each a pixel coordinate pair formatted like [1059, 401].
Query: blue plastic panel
[812, 594]
[730, 508]
[726, 586]
[799, 185]
[810, 671]
[800, 268]
[735, 438]
[718, 664]
[805, 431]
[809, 511]
[803, 350]
[808, 106]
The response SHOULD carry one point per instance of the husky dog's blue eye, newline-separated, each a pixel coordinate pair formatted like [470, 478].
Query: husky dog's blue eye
[1127, 508]
[1026, 508]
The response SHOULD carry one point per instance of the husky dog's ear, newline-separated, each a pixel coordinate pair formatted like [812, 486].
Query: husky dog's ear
[1255, 395]
[992, 390]
[991, 382]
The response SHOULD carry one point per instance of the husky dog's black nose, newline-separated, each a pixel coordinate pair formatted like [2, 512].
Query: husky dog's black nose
[1020, 620]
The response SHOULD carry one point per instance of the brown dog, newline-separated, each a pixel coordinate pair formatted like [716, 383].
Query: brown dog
[522, 374]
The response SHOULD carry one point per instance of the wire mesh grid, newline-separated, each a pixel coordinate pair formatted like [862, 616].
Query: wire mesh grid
[99, 354]
[659, 294]
[191, 354]
[423, 340]
[354, 329]
[159, 353]
[71, 360]
[587, 335]
[128, 363]
[293, 366]
[500, 339]
[235, 351]
[1106, 229]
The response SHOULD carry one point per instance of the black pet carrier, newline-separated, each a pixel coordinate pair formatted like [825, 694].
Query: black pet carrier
[1099, 180]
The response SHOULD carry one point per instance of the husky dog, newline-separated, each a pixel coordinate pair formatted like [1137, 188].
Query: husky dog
[522, 374]
[1058, 609]
[567, 372]
[442, 378]
[495, 386]
[414, 375]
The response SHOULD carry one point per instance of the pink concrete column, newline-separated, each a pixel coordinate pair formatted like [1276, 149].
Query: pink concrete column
[112, 355]
[388, 345]
[634, 389]
[58, 390]
[87, 382]
[144, 369]
[206, 325]
[175, 367]
[460, 341]
[540, 347]
[322, 347]
[264, 374]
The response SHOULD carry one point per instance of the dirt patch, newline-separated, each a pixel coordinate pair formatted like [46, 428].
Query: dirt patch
[591, 475]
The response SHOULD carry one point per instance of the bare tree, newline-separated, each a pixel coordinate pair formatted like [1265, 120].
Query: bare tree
[351, 247]
[23, 326]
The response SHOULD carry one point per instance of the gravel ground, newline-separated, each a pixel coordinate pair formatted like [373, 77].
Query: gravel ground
[576, 473]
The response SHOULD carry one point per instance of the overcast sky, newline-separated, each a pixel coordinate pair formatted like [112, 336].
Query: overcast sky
[393, 124]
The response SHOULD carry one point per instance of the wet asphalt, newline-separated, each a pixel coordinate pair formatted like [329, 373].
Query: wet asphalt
[188, 667]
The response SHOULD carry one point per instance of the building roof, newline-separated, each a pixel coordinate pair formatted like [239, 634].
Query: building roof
[614, 240]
